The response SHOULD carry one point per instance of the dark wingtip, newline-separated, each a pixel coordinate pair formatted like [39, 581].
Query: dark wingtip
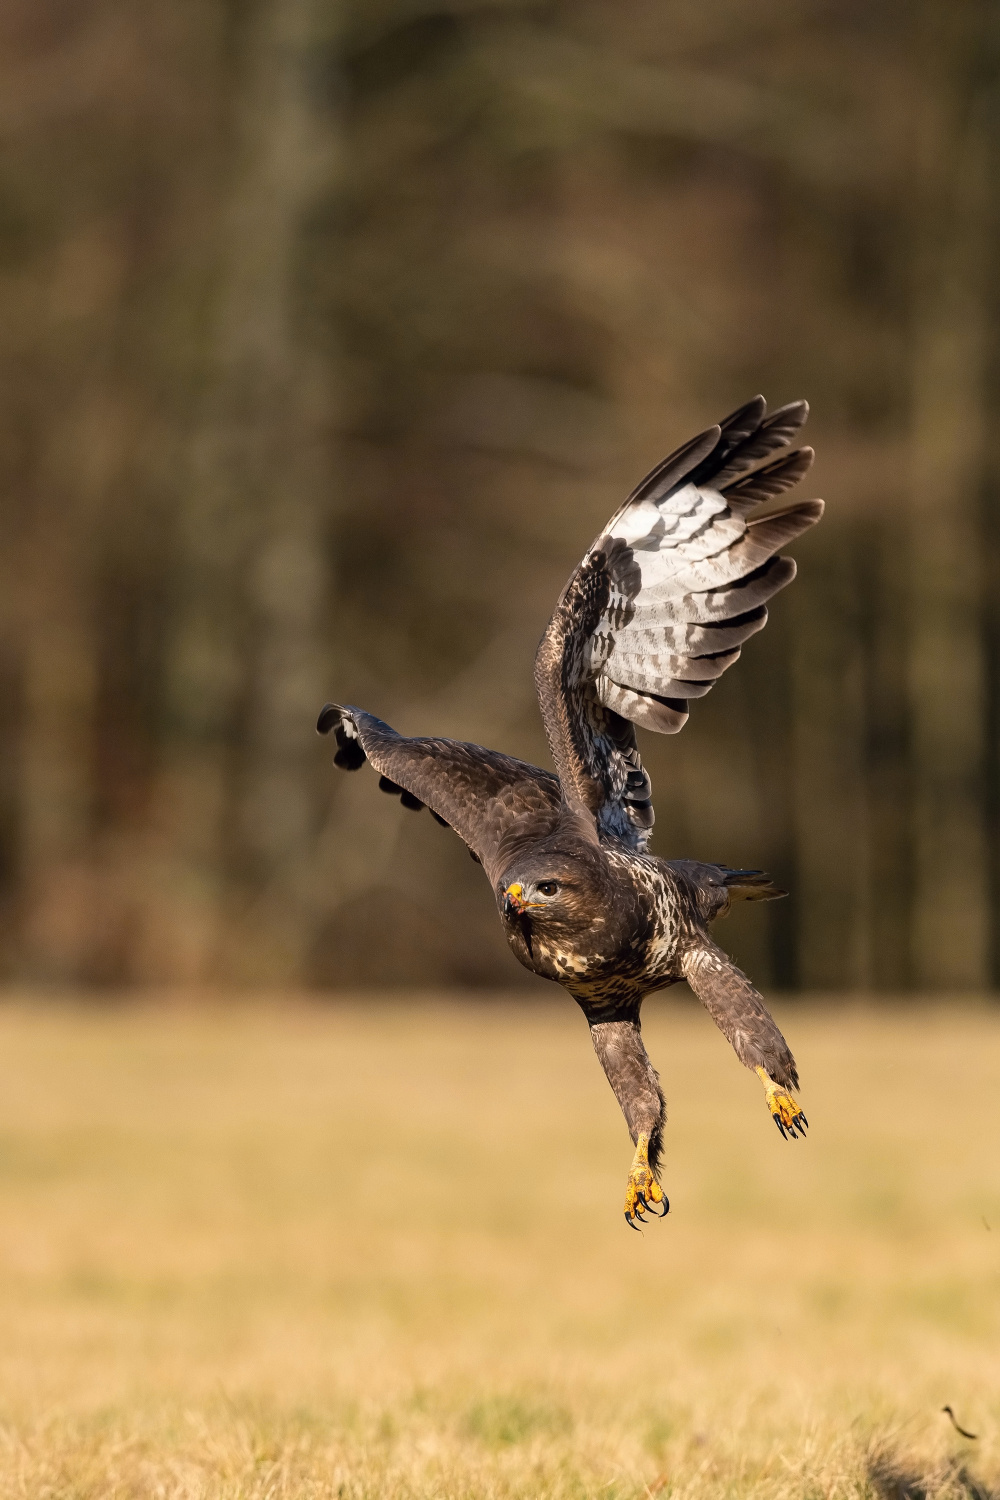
[329, 718]
[753, 411]
[350, 756]
[793, 412]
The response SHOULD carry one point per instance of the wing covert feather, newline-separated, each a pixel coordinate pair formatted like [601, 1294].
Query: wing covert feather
[491, 800]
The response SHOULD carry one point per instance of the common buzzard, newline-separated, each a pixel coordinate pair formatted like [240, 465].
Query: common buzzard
[656, 611]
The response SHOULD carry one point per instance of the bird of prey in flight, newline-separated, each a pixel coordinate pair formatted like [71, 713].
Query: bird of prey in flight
[658, 609]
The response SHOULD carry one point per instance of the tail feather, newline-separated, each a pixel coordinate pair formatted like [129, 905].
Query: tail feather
[715, 887]
[752, 885]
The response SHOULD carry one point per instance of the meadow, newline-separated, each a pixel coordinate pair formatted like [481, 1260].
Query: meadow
[375, 1248]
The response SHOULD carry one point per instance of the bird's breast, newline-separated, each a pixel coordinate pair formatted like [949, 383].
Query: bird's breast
[566, 963]
[632, 936]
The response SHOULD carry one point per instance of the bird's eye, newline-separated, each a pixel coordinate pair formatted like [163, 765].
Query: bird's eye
[547, 887]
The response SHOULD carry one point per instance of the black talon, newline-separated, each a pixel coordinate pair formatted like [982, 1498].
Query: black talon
[628, 1221]
[777, 1121]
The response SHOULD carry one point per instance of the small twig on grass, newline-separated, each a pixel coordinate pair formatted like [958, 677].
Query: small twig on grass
[954, 1423]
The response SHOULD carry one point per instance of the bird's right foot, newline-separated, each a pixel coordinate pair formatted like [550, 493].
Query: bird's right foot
[643, 1193]
[786, 1111]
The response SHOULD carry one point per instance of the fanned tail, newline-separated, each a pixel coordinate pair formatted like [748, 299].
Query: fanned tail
[752, 885]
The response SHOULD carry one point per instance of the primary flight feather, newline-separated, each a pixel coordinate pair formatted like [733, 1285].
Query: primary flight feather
[656, 611]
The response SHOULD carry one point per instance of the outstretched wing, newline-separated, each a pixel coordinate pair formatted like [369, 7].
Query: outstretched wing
[492, 801]
[662, 603]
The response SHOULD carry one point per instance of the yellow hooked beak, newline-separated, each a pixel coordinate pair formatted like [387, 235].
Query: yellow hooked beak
[514, 903]
[513, 900]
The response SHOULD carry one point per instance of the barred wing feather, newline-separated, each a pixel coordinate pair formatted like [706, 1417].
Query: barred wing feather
[662, 602]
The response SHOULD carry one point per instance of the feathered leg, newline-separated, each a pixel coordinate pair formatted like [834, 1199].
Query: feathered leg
[630, 1073]
[738, 1010]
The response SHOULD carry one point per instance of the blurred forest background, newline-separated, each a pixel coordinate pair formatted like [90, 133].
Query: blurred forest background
[330, 335]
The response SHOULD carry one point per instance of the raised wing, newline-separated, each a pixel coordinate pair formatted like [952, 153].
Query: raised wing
[492, 801]
[662, 603]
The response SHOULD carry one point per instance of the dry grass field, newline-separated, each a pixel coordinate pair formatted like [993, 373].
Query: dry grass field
[377, 1249]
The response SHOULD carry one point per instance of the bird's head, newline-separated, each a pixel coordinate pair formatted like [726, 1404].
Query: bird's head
[550, 892]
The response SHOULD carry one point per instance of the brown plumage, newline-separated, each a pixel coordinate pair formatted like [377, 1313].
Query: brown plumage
[658, 608]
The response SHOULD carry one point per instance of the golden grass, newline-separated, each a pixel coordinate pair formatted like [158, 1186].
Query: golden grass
[285, 1250]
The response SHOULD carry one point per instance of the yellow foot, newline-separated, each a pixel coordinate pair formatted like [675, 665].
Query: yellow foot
[787, 1111]
[643, 1193]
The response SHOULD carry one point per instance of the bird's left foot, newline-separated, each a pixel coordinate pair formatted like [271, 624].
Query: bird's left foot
[787, 1112]
[643, 1193]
